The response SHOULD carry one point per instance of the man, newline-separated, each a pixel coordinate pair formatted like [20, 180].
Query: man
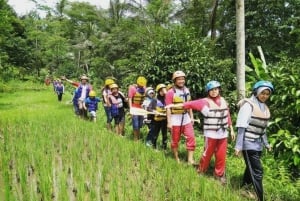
[180, 121]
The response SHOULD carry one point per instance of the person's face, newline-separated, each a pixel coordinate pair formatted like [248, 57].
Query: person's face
[180, 81]
[264, 95]
[163, 91]
[114, 90]
[214, 92]
[83, 81]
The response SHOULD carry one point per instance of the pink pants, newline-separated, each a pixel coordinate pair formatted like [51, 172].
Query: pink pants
[188, 132]
[217, 147]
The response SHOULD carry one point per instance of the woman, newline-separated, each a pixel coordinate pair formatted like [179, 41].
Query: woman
[252, 122]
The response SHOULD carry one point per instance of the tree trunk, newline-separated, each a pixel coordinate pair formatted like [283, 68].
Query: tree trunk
[240, 48]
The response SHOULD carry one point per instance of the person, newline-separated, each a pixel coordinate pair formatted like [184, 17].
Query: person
[105, 93]
[180, 120]
[74, 97]
[149, 97]
[117, 103]
[91, 105]
[136, 95]
[54, 83]
[81, 94]
[217, 120]
[252, 121]
[60, 90]
[159, 122]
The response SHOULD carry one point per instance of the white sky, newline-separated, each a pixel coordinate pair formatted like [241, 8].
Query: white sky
[24, 6]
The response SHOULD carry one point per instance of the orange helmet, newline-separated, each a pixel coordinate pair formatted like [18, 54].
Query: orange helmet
[177, 74]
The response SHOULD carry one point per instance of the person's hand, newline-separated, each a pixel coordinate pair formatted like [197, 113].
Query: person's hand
[269, 148]
[232, 135]
[169, 106]
[237, 152]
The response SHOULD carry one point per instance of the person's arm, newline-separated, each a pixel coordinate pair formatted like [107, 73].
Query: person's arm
[169, 102]
[266, 143]
[239, 140]
[232, 134]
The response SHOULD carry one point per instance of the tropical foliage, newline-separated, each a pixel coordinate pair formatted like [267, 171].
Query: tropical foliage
[160, 36]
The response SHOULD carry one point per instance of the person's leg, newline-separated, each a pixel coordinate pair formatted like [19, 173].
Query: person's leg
[175, 136]
[155, 132]
[164, 132]
[188, 132]
[136, 127]
[108, 117]
[220, 155]
[209, 149]
[252, 160]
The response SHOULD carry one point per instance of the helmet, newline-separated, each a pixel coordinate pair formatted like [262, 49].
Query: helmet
[160, 86]
[92, 93]
[114, 85]
[149, 90]
[141, 81]
[177, 74]
[212, 84]
[263, 83]
[109, 82]
[84, 77]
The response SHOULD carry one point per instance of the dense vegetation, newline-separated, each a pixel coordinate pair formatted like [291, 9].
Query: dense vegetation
[158, 37]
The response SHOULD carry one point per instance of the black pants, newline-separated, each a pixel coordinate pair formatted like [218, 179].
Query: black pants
[59, 96]
[158, 126]
[254, 171]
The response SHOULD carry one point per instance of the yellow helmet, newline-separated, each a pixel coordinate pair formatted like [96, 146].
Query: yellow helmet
[109, 81]
[160, 86]
[92, 93]
[141, 81]
[169, 86]
[177, 74]
[114, 85]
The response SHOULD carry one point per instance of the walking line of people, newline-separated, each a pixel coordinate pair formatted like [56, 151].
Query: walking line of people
[170, 108]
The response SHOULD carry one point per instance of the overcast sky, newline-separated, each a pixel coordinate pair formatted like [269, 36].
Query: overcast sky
[24, 6]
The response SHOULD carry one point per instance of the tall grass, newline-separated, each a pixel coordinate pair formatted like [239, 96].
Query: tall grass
[49, 154]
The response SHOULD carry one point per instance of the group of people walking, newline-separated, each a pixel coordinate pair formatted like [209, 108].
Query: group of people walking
[164, 108]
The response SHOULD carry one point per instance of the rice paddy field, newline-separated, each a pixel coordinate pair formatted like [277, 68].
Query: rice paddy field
[49, 154]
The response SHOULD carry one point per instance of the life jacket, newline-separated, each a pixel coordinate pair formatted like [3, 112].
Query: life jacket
[93, 104]
[116, 104]
[59, 88]
[160, 107]
[180, 96]
[79, 90]
[217, 117]
[258, 121]
[139, 96]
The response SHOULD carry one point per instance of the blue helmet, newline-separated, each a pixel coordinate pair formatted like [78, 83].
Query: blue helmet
[263, 83]
[212, 84]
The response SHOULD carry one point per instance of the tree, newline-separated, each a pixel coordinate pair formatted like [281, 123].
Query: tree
[240, 55]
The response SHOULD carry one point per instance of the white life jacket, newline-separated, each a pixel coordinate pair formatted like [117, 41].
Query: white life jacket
[258, 121]
[217, 117]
